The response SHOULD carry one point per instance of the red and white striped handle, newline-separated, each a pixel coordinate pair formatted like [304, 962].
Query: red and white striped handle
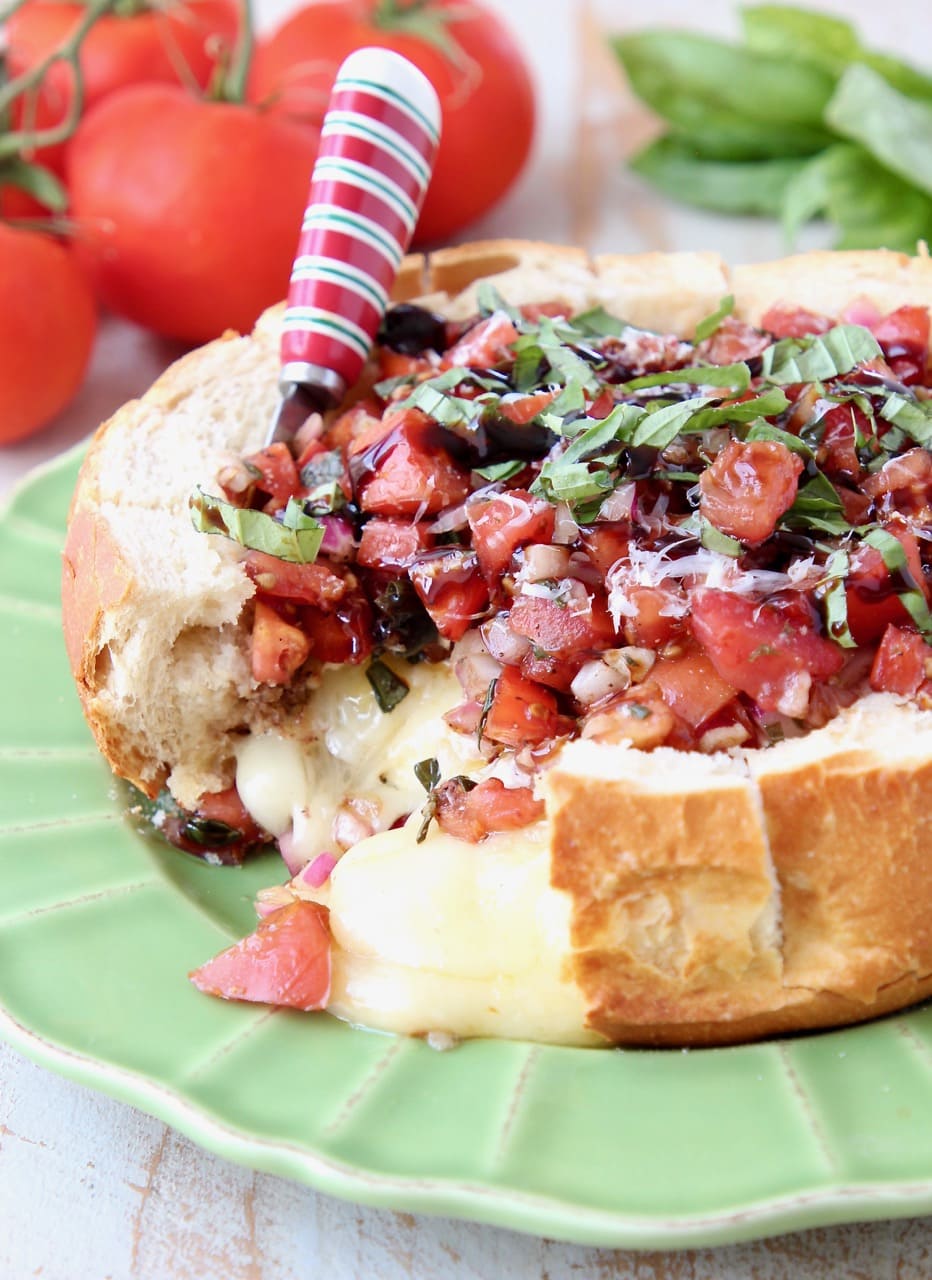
[376, 155]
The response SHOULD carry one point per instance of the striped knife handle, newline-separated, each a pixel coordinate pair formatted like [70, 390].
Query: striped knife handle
[376, 155]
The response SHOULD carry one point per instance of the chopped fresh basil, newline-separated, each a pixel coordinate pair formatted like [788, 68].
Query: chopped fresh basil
[705, 328]
[894, 557]
[836, 600]
[766, 431]
[735, 376]
[714, 540]
[486, 708]
[817, 506]
[768, 404]
[427, 773]
[818, 357]
[914, 417]
[599, 323]
[389, 688]
[660, 426]
[386, 386]
[489, 300]
[548, 345]
[500, 470]
[296, 538]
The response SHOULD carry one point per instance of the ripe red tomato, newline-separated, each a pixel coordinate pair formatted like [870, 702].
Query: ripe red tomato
[483, 84]
[188, 211]
[45, 344]
[177, 42]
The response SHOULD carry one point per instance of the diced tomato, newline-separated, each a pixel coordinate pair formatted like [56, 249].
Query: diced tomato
[363, 416]
[748, 488]
[485, 345]
[837, 452]
[606, 543]
[392, 544]
[521, 409]
[309, 583]
[451, 589]
[533, 311]
[794, 322]
[602, 405]
[904, 333]
[732, 341]
[771, 651]
[343, 634]
[901, 662]
[285, 962]
[657, 618]
[227, 807]
[547, 668]
[691, 686]
[502, 522]
[871, 594]
[471, 814]
[522, 713]
[568, 622]
[311, 450]
[278, 647]
[278, 474]
[907, 480]
[395, 364]
[403, 469]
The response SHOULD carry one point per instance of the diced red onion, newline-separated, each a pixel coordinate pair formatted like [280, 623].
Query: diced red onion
[318, 871]
[338, 541]
[565, 528]
[505, 645]
[597, 680]
[272, 899]
[620, 504]
[474, 666]
[294, 860]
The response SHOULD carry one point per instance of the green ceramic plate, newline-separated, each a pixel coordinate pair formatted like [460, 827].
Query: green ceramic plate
[98, 928]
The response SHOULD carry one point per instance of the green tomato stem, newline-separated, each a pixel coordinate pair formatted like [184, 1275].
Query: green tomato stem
[232, 86]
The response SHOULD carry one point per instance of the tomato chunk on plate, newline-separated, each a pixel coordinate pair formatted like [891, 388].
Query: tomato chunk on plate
[285, 962]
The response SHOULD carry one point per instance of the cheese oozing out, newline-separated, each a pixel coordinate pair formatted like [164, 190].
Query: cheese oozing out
[439, 936]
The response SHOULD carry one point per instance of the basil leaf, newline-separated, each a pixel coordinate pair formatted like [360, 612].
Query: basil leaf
[768, 404]
[738, 186]
[786, 31]
[572, 483]
[449, 411]
[732, 102]
[912, 416]
[489, 300]
[598, 323]
[895, 129]
[389, 688]
[714, 540]
[500, 470]
[836, 600]
[816, 358]
[765, 431]
[660, 427]
[870, 206]
[894, 557]
[735, 376]
[427, 773]
[296, 538]
[705, 328]
[817, 506]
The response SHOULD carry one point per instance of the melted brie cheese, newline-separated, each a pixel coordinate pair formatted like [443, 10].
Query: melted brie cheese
[347, 749]
[455, 937]
[440, 936]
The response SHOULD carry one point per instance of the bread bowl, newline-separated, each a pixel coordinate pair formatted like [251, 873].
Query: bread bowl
[668, 896]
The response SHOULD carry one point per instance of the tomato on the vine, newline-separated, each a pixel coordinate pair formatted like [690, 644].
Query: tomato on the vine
[47, 326]
[188, 211]
[179, 42]
[469, 56]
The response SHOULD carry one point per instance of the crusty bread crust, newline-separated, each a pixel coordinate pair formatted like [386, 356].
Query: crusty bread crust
[714, 900]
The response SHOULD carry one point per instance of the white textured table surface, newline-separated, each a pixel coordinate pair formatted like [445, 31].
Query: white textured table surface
[94, 1190]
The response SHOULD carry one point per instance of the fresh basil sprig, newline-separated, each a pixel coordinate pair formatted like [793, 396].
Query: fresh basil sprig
[296, 538]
